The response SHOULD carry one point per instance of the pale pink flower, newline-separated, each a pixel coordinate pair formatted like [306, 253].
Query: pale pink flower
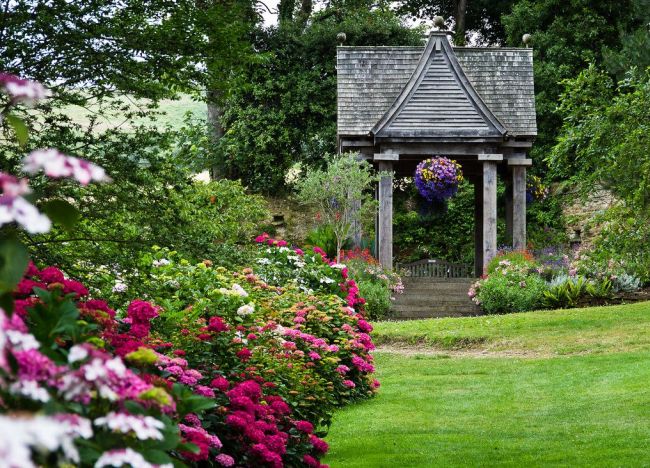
[56, 164]
[25, 91]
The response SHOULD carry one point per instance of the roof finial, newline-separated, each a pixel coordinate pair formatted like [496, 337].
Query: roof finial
[526, 39]
[340, 38]
[439, 22]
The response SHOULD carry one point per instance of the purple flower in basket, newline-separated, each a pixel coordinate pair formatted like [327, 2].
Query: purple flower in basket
[437, 179]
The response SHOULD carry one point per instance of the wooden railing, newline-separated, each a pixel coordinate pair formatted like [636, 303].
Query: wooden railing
[436, 269]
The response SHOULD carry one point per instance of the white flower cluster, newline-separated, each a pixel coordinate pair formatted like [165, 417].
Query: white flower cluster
[21, 436]
[14, 207]
[126, 457]
[144, 427]
[235, 290]
[161, 262]
[245, 310]
[56, 164]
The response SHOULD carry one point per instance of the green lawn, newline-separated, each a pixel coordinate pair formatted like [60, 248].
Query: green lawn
[565, 409]
[171, 113]
[601, 329]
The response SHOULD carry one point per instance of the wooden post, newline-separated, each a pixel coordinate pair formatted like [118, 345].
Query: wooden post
[519, 207]
[489, 205]
[385, 231]
[517, 166]
[356, 223]
[509, 238]
[478, 226]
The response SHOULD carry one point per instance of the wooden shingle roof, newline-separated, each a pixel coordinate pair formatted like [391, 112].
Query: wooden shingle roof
[394, 91]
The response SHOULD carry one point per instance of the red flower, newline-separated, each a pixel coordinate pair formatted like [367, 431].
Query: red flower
[217, 324]
[50, 275]
[244, 355]
[319, 444]
[304, 426]
[220, 383]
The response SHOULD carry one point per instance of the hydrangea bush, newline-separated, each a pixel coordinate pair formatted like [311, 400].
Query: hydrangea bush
[437, 179]
[226, 369]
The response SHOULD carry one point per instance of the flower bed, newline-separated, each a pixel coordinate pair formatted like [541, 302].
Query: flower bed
[517, 281]
[216, 367]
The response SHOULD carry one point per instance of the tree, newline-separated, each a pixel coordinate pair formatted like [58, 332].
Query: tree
[566, 38]
[282, 109]
[481, 17]
[604, 144]
[340, 194]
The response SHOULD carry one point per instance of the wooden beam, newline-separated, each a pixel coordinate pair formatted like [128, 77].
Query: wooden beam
[490, 157]
[517, 144]
[489, 210]
[385, 228]
[519, 207]
[386, 157]
[520, 162]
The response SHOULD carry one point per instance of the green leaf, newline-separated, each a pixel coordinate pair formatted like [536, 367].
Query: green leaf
[62, 212]
[19, 127]
[157, 457]
[13, 263]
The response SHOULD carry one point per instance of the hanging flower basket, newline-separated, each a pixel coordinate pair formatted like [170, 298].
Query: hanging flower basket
[437, 179]
[535, 189]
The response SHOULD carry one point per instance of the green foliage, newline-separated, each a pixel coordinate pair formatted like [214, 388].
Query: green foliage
[604, 145]
[283, 109]
[446, 234]
[566, 36]
[377, 297]
[571, 292]
[511, 289]
[324, 238]
[482, 17]
[340, 194]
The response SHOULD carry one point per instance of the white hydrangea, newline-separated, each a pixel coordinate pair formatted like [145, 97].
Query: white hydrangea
[239, 290]
[161, 262]
[30, 389]
[40, 433]
[126, 457]
[119, 287]
[245, 310]
[144, 427]
[77, 353]
[22, 341]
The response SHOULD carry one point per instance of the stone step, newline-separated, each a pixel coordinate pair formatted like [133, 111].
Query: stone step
[423, 288]
[432, 301]
[440, 310]
[418, 280]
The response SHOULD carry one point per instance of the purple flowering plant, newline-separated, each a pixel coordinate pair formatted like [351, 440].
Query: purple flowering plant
[437, 179]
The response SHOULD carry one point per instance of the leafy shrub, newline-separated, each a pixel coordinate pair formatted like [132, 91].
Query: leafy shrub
[377, 297]
[324, 238]
[566, 292]
[511, 284]
[625, 283]
[376, 285]
[231, 369]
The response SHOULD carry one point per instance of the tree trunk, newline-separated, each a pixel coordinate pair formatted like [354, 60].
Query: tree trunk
[461, 10]
[285, 11]
[306, 8]
[215, 128]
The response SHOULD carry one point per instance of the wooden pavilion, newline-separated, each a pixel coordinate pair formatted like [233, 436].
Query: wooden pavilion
[400, 105]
